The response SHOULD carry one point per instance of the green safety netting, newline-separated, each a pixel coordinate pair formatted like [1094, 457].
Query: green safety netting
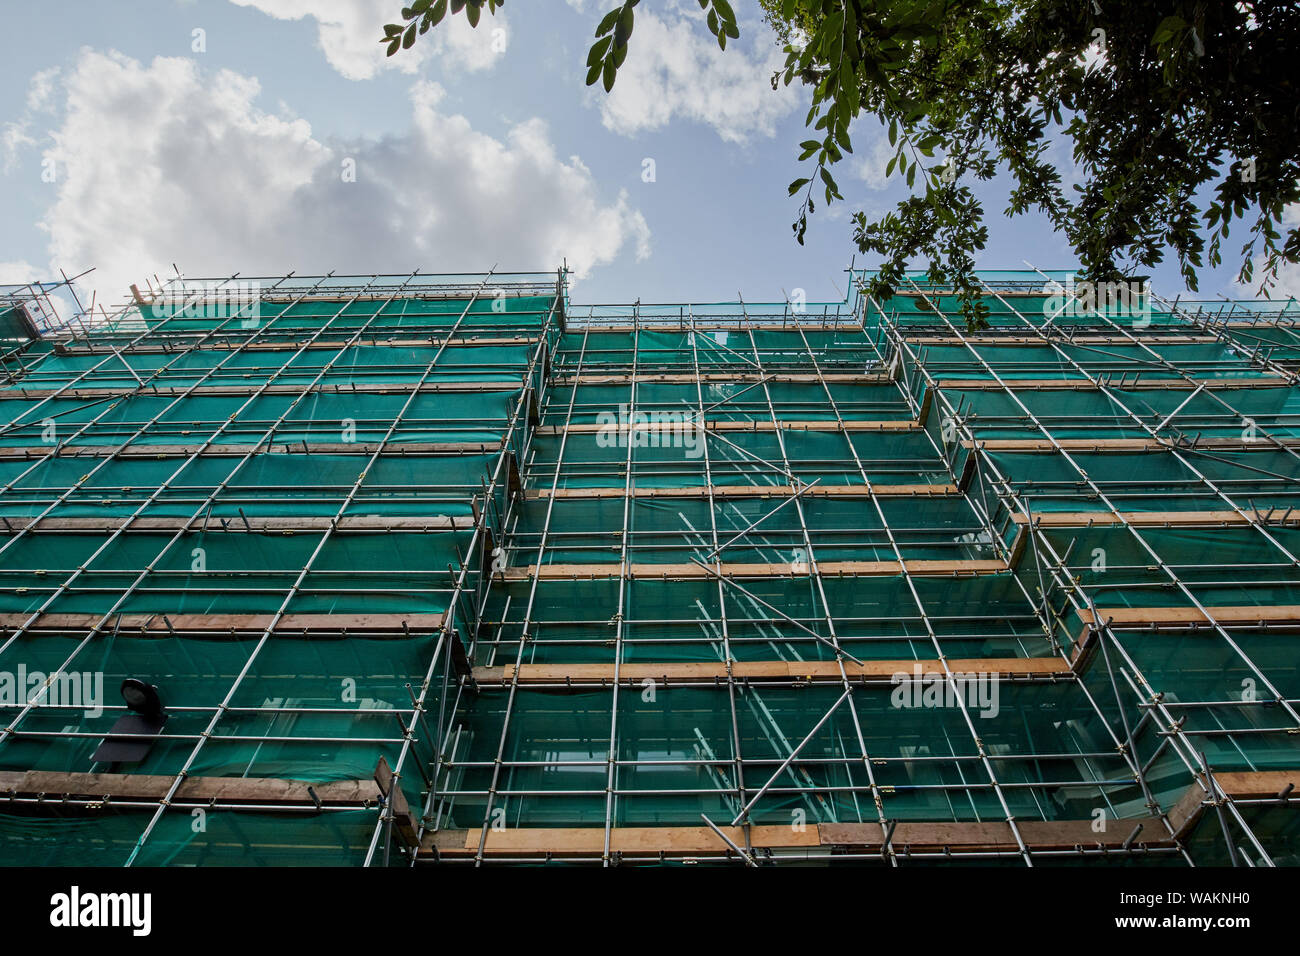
[682, 730]
[327, 707]
[680, 620]
[218, 838]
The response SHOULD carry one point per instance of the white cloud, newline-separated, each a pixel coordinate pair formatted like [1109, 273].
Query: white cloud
[15, 273]
[41, 90]
[16, 136]
[349, 32]
[677, 70]
[165, 164]
[873, 161]
[1287, 285]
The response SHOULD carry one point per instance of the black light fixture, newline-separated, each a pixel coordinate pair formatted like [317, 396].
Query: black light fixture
[141, 697]
[133, 736]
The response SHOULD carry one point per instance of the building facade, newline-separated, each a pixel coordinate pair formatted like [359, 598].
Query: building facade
[448, 570]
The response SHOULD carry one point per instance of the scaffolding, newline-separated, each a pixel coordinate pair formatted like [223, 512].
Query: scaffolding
[447, 570]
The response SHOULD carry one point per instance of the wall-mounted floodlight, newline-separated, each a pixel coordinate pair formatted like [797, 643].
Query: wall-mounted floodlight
[133, 735]
[141, 697]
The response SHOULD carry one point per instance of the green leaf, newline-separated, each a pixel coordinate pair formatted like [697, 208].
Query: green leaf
[1166, 28]
[409, 38]
[623, 29]
[608, 75]
[597, 51]
[797, 185]
[608, 21]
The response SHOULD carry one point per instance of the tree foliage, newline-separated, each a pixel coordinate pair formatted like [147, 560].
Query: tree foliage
[1169, 119]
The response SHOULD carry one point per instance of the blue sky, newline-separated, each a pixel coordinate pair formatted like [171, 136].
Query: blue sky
[472, 148]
